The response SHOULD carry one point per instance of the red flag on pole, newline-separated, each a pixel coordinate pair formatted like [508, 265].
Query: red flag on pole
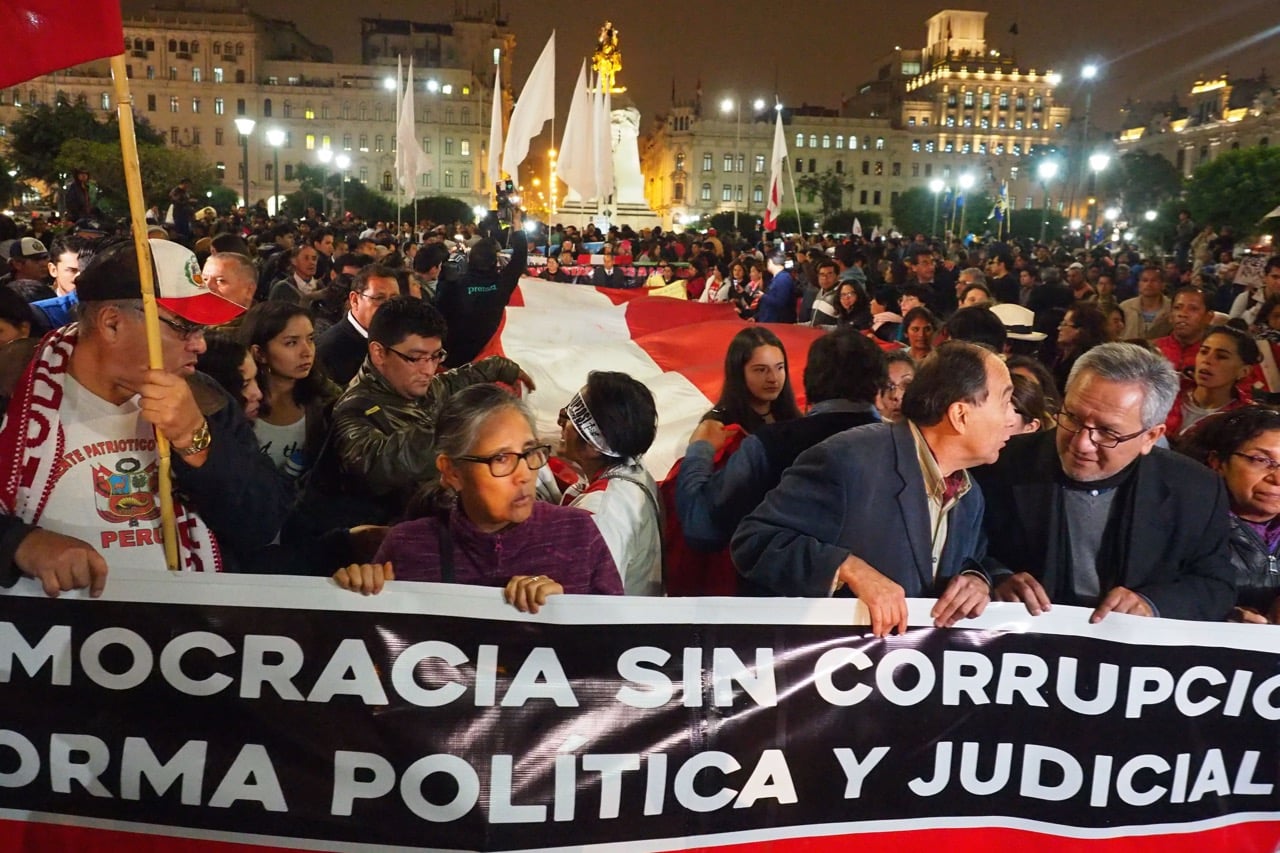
[54, 34]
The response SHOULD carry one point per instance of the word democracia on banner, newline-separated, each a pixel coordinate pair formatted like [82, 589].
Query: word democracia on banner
[964, 678]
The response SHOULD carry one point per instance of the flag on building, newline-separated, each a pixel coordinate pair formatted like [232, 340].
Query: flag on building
[494, 171]
[576, 165]
[776, 161]
[411, 161]
[535, 107]
[42, 36]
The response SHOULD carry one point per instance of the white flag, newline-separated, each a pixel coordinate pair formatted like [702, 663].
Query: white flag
[776, 160]
[495, 131]
[411, 161]
[857, 227]
[536, 106]
[400, 152]
[577, 165]
[602, 136]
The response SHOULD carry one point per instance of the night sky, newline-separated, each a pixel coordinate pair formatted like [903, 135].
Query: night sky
[820, 49]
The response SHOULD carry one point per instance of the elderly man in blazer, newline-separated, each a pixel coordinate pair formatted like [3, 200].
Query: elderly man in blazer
[1094, 514]
[887, 511]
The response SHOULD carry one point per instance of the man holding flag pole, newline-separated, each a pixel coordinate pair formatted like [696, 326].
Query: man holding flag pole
[115, 394]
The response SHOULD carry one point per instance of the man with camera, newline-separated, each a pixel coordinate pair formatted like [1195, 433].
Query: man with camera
[473, 303]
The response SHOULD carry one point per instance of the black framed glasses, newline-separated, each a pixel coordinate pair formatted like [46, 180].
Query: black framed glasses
[1260, 462]
[184, 330]
[1099, 436]
[504, 464]
[375, 298]
[438, 356]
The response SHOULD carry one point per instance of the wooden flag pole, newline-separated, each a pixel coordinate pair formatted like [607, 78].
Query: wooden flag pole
[151, 316]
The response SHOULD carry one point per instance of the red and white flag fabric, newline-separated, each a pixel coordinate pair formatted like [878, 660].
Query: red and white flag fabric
[560, 332]
[48, 35]
[776, 161]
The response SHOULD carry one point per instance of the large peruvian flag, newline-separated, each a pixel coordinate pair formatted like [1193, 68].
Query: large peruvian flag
[49, 35]
[560, 332]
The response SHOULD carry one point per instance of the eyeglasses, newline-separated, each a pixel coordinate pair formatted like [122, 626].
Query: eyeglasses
[504, 464]
[896, 388]
[1097, 435]
[1065, 325]
[376, 298]
[185, 331]
[438, 356]
[1260, 462]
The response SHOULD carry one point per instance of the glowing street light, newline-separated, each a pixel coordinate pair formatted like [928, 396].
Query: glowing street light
[1150, 216]
[1111, 214]
[245, 127]
[1089, 71]
[275, 138]
[389, 83]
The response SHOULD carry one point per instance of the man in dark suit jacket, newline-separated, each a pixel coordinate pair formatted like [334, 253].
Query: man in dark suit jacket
[888, 509]
[608, 275]
[1095, 514]
[343, 346]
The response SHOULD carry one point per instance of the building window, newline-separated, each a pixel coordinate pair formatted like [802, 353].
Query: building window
[897, 170]
[288, 110]
[173, 136]
[757, 194]
[266, 171]
[813, 165]
[928, 170]
[217, 75]
[968, 99]
[377, 143]
[195, 136]
[386, 182]
[240, 107]
[799, 165]
[866, 167]
[726, 193]
[911, 121]
[239, 48]
[464, 148]
[706, 192]
[173, 73]
[742, 162]
[309, 142]
[915, 170]
[706, 161]
[728, 162]
[426, 144]
[288, 171]
[799, 140]
[915, 145]
[364, 174]
[195, 105]
[839, 167]
[465, 116]
[324, 111]
[1017, 124]
[363, 144]
[813, 140]
[173, 45]
[308, 113]
[930, 146]
[678, 191]
[853, 142]
[879, 167]
[266, 108]
[173, 103]
[876, 198]
[737, 193]
[448, 177]
[758, 164]
[680, 162]
[951, 121]
[106, 101]
[464, 179]
[448, 145]
[151, 103]
[1004, 100]
[839, 141]
[862, 198]
[826, 140]
[195, 74]
[986, 100]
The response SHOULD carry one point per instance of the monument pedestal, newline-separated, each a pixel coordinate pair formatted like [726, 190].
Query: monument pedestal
[627, 206]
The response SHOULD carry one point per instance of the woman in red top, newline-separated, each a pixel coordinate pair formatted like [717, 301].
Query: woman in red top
[1226, 356]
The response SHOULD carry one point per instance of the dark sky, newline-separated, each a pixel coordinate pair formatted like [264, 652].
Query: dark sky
[818, 49]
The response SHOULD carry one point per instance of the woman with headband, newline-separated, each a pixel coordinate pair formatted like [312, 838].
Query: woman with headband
[604, 430]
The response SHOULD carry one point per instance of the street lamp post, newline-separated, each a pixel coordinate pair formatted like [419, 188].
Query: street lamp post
[343, 162]
[325, 156]
[245, 127]
[275, 138]
[966, 183]
[1046, 171]
[937, 186]
[1098, 162]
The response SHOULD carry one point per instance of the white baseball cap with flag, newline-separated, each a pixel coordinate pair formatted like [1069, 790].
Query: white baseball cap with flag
[113, 274]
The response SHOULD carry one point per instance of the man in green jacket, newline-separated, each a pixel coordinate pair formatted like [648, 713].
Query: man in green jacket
[383, 439]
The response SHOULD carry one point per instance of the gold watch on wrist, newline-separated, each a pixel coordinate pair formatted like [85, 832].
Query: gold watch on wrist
[200, 440]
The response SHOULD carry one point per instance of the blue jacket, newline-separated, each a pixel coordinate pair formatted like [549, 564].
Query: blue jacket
[859, 492]
[778, 305]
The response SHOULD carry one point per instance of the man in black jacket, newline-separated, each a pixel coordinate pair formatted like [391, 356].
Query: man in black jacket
[1094, 514]
[472, 304]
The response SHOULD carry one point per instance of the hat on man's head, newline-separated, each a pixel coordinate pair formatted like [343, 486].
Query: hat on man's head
[1076, 266]
[113, 274]
[26, 248]
[1018, 322]
[90, 226]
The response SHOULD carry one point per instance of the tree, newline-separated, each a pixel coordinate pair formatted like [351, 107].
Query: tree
[912, 211]
[841, 222]
[1026, 223]
[1237, 188]
[161, 167]
[827, 188]
[223, 198]
[37, 137]
[1142, 181]
[443, 209]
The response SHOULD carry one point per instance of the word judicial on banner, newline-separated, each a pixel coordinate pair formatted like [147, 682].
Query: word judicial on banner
[283, 712]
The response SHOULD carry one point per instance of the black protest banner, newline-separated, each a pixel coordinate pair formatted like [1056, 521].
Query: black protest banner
[284, 710]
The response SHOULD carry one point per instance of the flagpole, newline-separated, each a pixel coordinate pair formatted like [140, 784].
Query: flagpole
[786, 163]
[150, 315]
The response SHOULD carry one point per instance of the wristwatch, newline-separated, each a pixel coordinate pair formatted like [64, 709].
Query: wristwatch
[200, 440]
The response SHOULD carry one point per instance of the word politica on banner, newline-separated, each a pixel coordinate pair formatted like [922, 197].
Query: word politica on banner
[283, 712]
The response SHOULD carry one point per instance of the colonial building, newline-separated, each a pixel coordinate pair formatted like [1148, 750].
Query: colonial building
[1223, 114]
[198, 65]
[953, 108]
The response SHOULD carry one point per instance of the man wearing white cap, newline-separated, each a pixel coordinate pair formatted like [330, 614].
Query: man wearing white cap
[78, 443]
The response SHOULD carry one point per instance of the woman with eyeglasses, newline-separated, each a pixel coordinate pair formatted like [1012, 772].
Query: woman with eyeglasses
[604, 430]
[484, 525]
[296, 396]
[1226, 356]
[1083, 327]
[1244, 447]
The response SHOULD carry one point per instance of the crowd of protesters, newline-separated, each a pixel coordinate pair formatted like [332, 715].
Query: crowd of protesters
[329, 414]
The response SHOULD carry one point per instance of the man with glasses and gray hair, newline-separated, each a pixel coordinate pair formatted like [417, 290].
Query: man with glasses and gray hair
[1095, 514]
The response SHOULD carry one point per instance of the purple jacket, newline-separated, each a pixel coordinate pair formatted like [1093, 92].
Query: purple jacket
[562, 543]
